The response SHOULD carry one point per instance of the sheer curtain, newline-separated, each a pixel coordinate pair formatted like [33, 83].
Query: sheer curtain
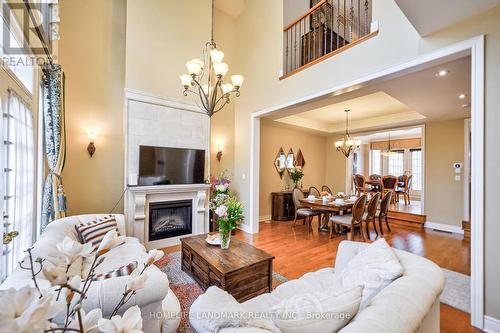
[21, 158]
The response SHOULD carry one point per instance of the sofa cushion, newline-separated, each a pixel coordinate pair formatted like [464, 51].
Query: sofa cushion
[317, 311]
[121, 271]
[374, 268]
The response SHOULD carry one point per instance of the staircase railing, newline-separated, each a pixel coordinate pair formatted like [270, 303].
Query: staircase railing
[325, 28]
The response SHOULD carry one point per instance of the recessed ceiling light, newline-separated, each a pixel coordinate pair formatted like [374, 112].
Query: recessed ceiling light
[442, 73]
[462, 96]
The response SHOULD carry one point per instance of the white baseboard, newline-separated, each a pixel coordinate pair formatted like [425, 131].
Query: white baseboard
[444, 227]
[264, 218]
[491, 325]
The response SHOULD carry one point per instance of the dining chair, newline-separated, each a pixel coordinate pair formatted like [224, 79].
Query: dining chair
[375, 176]
[325, 188]
[384, 209]
[360, 183]
[389, 184]
[314, 191]
[302, 212]
[371, 213]
[405, 189]
[351, 221]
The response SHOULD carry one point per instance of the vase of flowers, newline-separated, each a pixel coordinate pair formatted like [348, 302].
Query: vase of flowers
[230, 214]
[220, 183]
[296, 175]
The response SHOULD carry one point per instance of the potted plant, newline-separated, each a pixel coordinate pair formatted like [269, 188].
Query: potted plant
[296, 175]
[230, 214]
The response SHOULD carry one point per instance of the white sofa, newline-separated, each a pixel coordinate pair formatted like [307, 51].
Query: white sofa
[408, 304]
[155, 299]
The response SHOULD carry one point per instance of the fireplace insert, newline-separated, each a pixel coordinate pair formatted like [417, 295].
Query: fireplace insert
[170, 219]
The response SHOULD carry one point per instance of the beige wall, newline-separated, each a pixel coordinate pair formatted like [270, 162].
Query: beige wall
[92, 54]
[335, 167]
[159, 47]
[273, 138]
[444, 197]
[260, 23]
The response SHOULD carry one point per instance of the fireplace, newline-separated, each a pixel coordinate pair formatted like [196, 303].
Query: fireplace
[170, 219]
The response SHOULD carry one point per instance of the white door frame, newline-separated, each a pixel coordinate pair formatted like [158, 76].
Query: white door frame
[473, 45]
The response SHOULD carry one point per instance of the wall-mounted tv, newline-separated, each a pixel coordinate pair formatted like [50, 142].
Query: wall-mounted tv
[169, 166]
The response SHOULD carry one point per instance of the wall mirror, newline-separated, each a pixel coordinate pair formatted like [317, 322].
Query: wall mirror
[280, 162]
[290, 160]
[299, 160]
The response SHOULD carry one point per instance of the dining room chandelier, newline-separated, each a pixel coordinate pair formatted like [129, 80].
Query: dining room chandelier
[347, 145]
[388, 152]
[205, 77]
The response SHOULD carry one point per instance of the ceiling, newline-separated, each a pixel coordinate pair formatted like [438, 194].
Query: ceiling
[414, 132]
[414, 98]
[429, 16]
[232, 8]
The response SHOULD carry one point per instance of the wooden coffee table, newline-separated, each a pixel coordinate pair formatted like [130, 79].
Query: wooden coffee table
[243, 270]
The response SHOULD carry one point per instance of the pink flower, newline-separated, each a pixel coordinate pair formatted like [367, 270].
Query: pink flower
[221, 211]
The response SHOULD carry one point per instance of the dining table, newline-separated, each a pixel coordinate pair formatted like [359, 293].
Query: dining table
[330, 205]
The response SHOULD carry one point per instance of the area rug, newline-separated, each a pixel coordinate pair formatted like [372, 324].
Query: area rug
[186, 289]
[456, 290]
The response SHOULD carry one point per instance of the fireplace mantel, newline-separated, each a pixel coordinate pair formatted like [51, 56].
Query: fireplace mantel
[137, 209]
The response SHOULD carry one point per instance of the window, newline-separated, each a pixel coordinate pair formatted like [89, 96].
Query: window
[416, 169]
[396, 164]
[19, 177]
[375, 162]
[355, 163]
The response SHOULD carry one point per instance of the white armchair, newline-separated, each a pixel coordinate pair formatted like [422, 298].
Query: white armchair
[156, 299]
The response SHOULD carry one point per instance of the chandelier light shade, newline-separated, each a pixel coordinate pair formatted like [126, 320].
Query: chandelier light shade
[389, 152]
[347, 145]
[205, 78]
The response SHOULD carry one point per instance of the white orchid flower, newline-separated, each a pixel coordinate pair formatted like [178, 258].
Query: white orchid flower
[22, 311]
[136, 280]
[131, 322]
[55, 275]
[110, 240]
[72, 250]
[89, 321]
[154, 255]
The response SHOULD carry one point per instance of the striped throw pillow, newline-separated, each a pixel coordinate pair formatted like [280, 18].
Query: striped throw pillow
[122, 271]
[94, 231]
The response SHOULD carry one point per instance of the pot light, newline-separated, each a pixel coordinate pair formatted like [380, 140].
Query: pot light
[442, 73]
[462, 96]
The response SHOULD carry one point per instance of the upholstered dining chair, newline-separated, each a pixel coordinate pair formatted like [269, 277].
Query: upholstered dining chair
[360, 183]
[371, 212]
[314, 191]
[325, 188]
[405, 190]
[384, 209]
[301, 212]
[389, 184]
[351, 221]
[375, 176]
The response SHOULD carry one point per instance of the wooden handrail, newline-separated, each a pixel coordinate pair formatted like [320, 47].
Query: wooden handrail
[313, 8]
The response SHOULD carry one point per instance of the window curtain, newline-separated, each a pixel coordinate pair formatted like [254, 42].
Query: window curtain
[21, 160]
[54, 199]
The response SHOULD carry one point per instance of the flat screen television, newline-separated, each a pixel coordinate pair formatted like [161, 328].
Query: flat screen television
[169, 166]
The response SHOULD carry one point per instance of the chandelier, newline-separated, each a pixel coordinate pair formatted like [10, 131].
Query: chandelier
[388, 152]
[347, 145]
[205, 78]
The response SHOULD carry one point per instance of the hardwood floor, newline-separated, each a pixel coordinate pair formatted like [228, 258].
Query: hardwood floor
[297, 252]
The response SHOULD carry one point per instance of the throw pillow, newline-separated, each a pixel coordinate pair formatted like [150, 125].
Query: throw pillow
[374, 268]
[122, 271]
[318, 311]
[94, 231]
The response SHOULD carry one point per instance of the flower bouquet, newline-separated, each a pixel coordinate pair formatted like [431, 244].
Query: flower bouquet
[33, 309]
[230, 214]
[220, 184]
[296, 175]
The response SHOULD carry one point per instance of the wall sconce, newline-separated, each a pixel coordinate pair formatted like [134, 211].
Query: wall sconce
[91, 146]
[220, 147]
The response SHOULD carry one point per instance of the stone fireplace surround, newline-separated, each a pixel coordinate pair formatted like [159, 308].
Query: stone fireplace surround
[156, 121]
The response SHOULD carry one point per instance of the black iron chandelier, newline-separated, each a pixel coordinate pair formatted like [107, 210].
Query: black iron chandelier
[347, 145]
[205, 78]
